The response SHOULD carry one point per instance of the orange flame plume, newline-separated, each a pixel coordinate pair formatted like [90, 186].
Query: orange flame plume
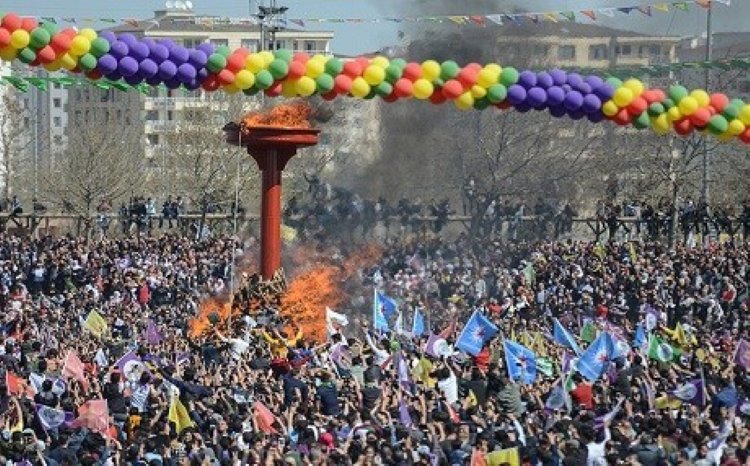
[294, 115]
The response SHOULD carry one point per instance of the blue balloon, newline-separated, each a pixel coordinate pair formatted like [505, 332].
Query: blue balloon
[207, 48]
[119, 49]
[193, 85]
[575, 79]
[536, 97]
[591, 103]
[159, 53]
[114, 76]
[593, 81]
[173, 83]
[573, 101]
[128, 38]
[604, 91]
[523, 108]
[596, 117]
[559, 77]
[139, 51]
[153, 80]
[186, 73]
[198, 58]
[179, 55]
[128, 66]
[167, 70]
[134, 80]
[516, 94]
[557, 111]
[168, 43]
[544, 80]
[576, 114]
[109, 36]
[107, 64]
[555, 95]
[583, 88]
[148, 68]
[527, 79]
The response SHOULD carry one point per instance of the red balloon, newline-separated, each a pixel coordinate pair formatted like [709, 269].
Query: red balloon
[352, 69]
[329, 95]
[403, 88]
[46, 54]
[296, 69]
[468, 76]
[638, 106]
[211, 83]
[29, 24]
[712, 110]
[70, 32]
[651, 96]
[225, 77]
[4, 37]
[12, 21]
[719, 101]
[301, 57]
[504, 105]
[242, 51]
[474, 66]
[94, 74]
[236, 62]
[700, 117]
[412, 71]
[364, 62]
[622, 117]
[745, 137]
[437, 98]
[390, 98]
[452, 89]
[60, 43]
[35, 62]
[683, 127]
[659, 94]
[273, 91]
[342, 84]
[76, 70]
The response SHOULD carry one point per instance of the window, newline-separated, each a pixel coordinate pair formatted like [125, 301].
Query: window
[56, 86]
[192, 43]
[250, 44]
[152, 115]
[170, 115]
[624, 50]
[310, 46]
[598, 52]
[220, 42]
[654, 50]
[58, 140]
[57, 122]
[152, 139]
[566, 52]
[541, 49]
[57, 102]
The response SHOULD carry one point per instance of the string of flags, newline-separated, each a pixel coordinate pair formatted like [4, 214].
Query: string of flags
[24, 83]
[647, 10]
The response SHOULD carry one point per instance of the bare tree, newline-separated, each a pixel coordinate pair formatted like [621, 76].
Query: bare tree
[15, 139]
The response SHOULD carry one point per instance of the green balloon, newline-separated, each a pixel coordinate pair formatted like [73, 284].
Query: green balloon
[27, 55]
[223, 50]
[677, 93]
[251, 92]
[39, 38]
[482, 103]
[216, 62]
[731, 112]
[324, 83]
[718, 124]
[87, 62]
[497, 93]
[449, 69]
[50, 27]
[284, 54]
[383, 89]
[400, 62]
[278, 68]
[737, 103]
[656, 109]
[264, 79]
[371, 95]
[509, 76]
[99, 47]
[614, 81]
[642, 121]
[334, 66]
[439, 82]
[668, 103]
[393, 73]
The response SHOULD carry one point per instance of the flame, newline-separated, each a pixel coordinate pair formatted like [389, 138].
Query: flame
[308, 296]
[213, 312]
[294, 115]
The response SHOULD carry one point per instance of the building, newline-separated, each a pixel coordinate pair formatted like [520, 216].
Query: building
[724, 46]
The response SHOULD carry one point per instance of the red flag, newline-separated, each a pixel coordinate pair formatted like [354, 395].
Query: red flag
[449, 330]
[14, 383]
[704, 3]
[590, 13]
[478, 458]
[73, 368]
[453, 414]
[94, 415]
[264, 418]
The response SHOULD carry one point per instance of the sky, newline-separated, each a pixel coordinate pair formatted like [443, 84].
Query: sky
[366, 37]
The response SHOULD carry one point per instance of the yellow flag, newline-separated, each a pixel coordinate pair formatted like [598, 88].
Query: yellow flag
[422, 371]
[95, 323]
[667, 402]
[680, 337]
[508, 456]
[288, 233]
[179, 415]
[471, 399]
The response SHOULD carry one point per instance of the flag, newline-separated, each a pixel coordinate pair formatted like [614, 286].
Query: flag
[403, 414]
[681, 6]
[545, 366]
[589, 13]
[478, 458]
[690, 392]
[101, 359]
[742, 354]
[436, 346]
[667, 402]
[152, 335]
[403, 372]
[562, 336]
[640, 339]
[679, 336]
[340, 356]
[662, 7]
[51, 418]
[418, 327]
[264, 418]
[131, 366]
[95, 323]
[385, 304]
[471, 399]
[178, 414]
[607, 418]
[588, 331]
[521, 362]
[379, 321]
[422, 372]
[556, 398]
[94, 415]
[73, 368]
[335, 321]
[476, 333]
[662, 351]
[508, 457]
[398, 327]
[14, 383]
[449, 330]
[593, 361]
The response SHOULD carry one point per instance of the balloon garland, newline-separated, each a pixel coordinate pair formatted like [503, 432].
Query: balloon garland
[283, 73]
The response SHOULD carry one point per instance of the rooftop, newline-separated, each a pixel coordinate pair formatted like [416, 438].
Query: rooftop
[569, 29]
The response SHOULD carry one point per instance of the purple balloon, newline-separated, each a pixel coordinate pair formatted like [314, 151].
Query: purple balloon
[527, 79]
[159, 53]
[555, 95]
[198, 59]
[536, 97]
[593, 81]
[202, 75]
[604, 91]
[109, 36]
[207, 48]
[596, 117]
[573, 100]
[179, 55]
[148, 68]
[119, 49]
[153, 81]
[149, 42]
[567, 87]
[128, 66]
[544, 80]
[128, 38]
[168, 43]
[591, 103]
[583, 88]
[193, 85]
[167, 70]
[575, 79]
[107, 63]
[576, 114]
[523, 108]
[516, 94]
[134, 80]
[559, 77]
[173, 83]
[186, 73]
[557, 111]
[139, 51]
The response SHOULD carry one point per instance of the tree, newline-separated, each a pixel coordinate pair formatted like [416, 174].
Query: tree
[15, 139]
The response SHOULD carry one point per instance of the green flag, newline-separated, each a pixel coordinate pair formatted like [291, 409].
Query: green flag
[662, 351]
[680, 6]
[588, 332]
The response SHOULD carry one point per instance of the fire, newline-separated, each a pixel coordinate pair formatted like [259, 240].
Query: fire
[213, 313]
[294, 115]
[308, 296]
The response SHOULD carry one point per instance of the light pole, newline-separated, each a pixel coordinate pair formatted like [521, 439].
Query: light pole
[706, 191]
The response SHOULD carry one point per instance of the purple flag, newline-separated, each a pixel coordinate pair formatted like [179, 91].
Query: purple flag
[403, 414]
[131, 366]
[691, 392]
[153, 336]
[403, 373]
[742, 354]
[436, 346]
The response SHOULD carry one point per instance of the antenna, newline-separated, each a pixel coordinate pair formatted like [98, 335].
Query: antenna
[189, 5]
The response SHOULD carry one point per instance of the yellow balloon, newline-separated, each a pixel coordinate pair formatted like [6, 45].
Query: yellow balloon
[431, 70]
[88, 33]
[422, 89]
[231, 88]
[688, 105]
[610, 108]
[634, 85]
[374, 75]
[68, 61]
[380, 61]
[495, 68]
[736, 127]
[360, 88]
[20, 39]
[267, 57]
[745, 114]
[8, 53]
[623, 96]
[487, 78]
[305, 86]
[321, 58]
[478, 92]
[674, 114]
[701, 97]
[465, 101]
[244, 79]
[80, 46]
[315, 68]
[53, 66]
[725, 137]
[255, 63]
[661, 124]
[289, 88]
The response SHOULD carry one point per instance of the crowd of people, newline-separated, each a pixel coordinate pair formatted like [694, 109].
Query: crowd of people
[99, 364]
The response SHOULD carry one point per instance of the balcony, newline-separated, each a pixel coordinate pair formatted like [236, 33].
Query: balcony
[159, 126]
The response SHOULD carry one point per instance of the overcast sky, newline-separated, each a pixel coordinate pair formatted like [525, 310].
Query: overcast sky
[362, 38]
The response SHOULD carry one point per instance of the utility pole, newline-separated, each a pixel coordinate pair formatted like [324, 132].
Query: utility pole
[705, 191]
